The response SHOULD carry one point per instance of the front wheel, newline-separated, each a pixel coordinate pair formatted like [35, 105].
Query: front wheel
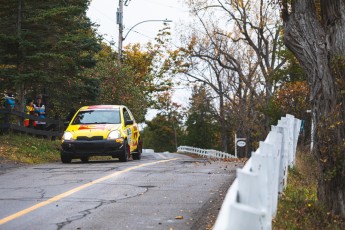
[65, 159]
[125, 152]
[84, 159]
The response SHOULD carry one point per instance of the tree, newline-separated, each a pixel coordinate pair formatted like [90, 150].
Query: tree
[159, 135]
[234, 47]
[164, 132]
[293, 89]
[137, 80]
[122, 83]
[45, 46]
[292, 98]
[314, 31]
[200, 125]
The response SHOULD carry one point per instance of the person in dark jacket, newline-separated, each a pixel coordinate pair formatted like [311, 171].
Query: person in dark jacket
[40, 112]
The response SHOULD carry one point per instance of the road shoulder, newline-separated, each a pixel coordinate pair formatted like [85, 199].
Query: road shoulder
[8, 165]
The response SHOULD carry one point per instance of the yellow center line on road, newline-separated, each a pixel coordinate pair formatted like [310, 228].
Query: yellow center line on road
[77, 189]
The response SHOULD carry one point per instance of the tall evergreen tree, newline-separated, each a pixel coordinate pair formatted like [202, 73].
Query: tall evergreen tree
[200, 123]
[44, 47]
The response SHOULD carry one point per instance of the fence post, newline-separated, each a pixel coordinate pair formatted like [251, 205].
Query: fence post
[7, 120]
[282, 128]
[297, 130]
[247, 183]
[275, 139]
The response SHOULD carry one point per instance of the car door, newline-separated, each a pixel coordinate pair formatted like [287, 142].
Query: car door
[129, 127]
[132, 129]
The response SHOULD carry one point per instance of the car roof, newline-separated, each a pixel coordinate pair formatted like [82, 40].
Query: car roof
[101, 107]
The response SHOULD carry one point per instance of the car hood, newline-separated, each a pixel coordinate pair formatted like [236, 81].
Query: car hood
[92, 130]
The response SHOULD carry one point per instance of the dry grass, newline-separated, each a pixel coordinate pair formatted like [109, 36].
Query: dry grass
[298, 207]
[28, 149]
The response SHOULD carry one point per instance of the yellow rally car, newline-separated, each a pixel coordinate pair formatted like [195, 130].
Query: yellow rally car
[101, 130]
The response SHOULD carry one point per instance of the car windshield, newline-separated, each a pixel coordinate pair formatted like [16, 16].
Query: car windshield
[97, 117]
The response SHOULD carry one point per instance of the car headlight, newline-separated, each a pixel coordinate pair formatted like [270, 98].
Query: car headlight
[67, 136]
[113, 135]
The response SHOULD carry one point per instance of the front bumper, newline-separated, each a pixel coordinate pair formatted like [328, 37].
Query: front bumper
[85, 148]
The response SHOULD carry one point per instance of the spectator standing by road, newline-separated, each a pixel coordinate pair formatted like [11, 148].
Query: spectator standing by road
[29, 109]
[40, 112]
[9, 104]
[9, 101]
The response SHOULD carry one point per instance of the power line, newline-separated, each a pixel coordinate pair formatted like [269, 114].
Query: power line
[102, 13]
[126, 2]
[168, 6]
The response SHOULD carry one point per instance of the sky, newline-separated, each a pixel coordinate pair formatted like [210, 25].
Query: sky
[103, 13]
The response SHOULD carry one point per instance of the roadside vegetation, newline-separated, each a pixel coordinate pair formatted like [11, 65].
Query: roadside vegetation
[299, 208]
[27, 149]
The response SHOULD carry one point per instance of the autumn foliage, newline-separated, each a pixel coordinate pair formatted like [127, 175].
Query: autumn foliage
[293, 98]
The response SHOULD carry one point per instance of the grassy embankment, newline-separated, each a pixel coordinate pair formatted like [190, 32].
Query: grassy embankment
[28, 149]
[298, 207]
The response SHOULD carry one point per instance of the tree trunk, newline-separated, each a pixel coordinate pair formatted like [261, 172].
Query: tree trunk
[223, 128]
[20, 64]
[319, 43]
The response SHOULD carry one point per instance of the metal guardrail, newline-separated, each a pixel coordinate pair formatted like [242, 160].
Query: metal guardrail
[208, 153]
[251, 201]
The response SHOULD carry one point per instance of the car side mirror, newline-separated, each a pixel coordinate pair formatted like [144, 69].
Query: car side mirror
[129, 122]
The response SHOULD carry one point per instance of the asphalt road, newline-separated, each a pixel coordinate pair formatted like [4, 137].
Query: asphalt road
[161, 191]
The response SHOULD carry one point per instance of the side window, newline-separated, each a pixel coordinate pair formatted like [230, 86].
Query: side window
[126, 115]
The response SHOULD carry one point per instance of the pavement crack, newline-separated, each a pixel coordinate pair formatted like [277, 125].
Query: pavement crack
[100, 203]
[83, 214]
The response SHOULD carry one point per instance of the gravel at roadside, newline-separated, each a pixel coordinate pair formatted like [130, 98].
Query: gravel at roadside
[207, 217]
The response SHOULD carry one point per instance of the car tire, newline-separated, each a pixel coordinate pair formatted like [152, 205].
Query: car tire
[137, 153]
[84, 159]
[65, 159]
[125, 153]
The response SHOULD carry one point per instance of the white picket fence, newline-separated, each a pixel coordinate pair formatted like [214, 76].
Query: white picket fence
[208, 153]
[148, 151]
[251, 201]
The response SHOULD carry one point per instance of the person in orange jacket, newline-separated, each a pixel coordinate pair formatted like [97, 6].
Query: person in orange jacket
[30, 110]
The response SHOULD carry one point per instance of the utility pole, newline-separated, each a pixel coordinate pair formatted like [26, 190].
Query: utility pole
[119, 21]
